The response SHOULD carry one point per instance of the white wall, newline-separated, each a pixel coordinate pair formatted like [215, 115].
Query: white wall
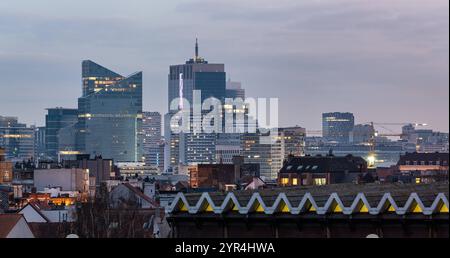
[69, 179]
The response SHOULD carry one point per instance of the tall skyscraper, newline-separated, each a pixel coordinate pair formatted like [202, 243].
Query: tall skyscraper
[151, 127]
[362, 133]
[110, 114]
[337, 126]
[56, 120]
[234, 90]
[39, 143]
[195, 74]
[16, 139]
[294, 140]
[270, 157]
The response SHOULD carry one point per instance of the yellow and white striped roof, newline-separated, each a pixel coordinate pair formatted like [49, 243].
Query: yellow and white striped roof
[426, 200]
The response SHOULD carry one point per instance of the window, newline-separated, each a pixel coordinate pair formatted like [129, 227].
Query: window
[417, 180]
[320, 181]
[294, 181]
[284, 181]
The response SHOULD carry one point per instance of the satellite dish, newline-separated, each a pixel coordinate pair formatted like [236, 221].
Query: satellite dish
[72, 236]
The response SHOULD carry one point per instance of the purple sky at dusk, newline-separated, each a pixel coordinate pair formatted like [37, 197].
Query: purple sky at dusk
[384, 60]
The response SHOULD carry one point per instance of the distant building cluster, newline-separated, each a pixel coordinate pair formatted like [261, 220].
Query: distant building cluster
[111, 164]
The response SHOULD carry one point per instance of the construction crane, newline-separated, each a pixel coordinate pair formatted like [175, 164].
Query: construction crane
[372, 142]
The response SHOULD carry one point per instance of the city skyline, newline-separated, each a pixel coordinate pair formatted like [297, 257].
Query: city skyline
[402, 69]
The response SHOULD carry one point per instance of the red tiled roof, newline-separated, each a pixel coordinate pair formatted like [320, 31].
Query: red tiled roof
[7, 223]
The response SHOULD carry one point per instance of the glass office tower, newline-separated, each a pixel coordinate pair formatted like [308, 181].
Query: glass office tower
[337, 126]
[210, 79]
[110, 114]
[152, 140]
[16, 139]
[56, 120]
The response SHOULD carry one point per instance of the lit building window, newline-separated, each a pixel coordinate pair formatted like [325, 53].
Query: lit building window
[284, 181]
[320, 181]
[417, 180]
[294, 181]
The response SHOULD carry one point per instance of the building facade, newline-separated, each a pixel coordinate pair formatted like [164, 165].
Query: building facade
[332, 211]
[234, 90]
[56, 120]
[195, 75]
[152, 139]
[423, 167]
[362, 133]
[336, 126]
[322, 170]
[6, 168]
[269, 156]
[110, 114]
[294, 140]
[16, 139]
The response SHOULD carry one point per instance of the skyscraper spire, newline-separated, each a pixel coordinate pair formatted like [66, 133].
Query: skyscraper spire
[196, 48]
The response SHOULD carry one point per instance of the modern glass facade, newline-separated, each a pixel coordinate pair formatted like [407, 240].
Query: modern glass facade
[210, 79]
[110, 114]
[234, 90]
[56, 120]
[337, 126]
[294, 140]
[151, 127]
[269, 156]
[16, 139]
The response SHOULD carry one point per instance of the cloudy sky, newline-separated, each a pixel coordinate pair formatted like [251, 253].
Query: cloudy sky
[384, 60]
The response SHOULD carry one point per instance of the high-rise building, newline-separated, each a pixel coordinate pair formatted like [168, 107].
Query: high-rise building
[270, 157]
[337, 126]
[6, 168]
[39, 143]
[362, 133]
[195, 74]
[110, 114]
[234, 90]
[56, 120]
[294, 140]
[228, 145]
[151, 127]
[16, 139]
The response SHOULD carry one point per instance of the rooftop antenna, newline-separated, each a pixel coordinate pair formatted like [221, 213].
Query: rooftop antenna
[196, 49]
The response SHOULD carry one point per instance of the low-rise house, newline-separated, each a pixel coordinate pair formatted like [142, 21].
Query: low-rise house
[128, 195]
[41, 212]
[321, 170]
[48, 221]
[220, 176]
[14, 226]
[423, 167]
